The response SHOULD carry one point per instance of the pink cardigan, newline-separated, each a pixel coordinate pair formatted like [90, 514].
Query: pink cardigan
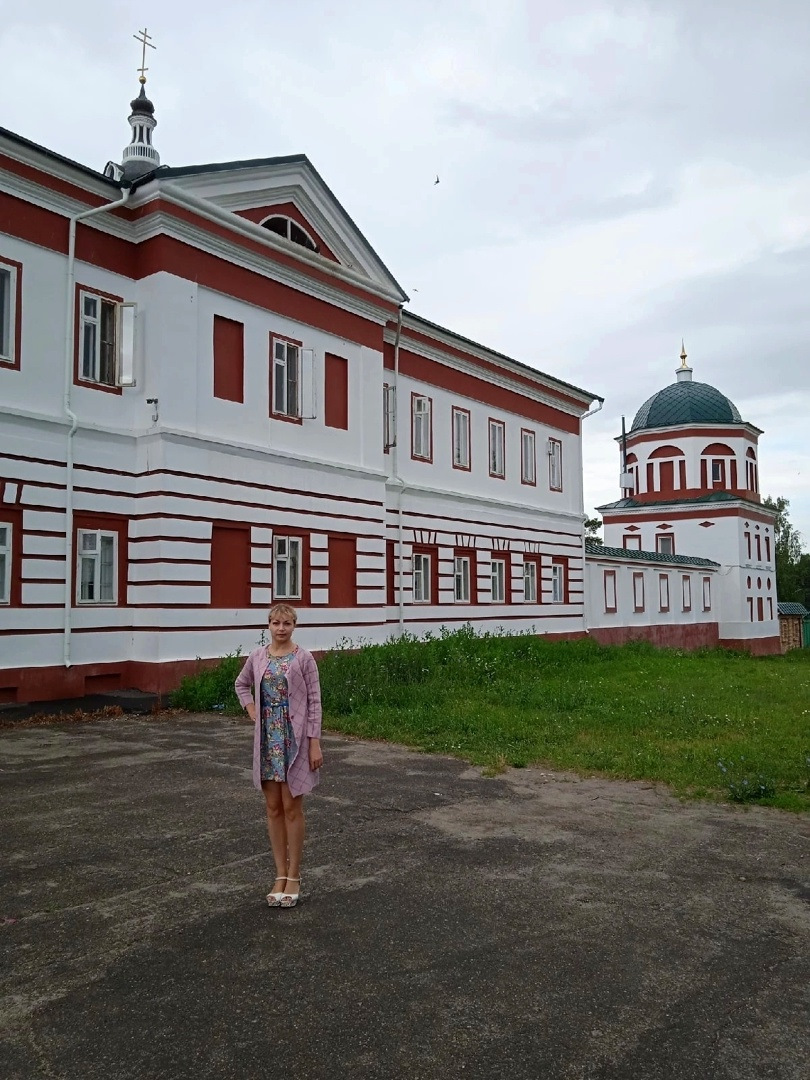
[304, 689]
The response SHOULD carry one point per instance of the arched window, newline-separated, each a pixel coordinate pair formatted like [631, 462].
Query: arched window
[751, 471]
[715, 471]
[290, 230]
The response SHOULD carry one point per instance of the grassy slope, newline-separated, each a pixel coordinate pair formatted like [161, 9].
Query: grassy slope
[634, 712]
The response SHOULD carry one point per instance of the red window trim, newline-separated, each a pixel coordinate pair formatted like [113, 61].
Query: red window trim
[13, 516]
[612, 575]
[528, 483]
[104, 523]
[505, 557]
[460, 409]
[562, 560]
[433, 551]
[421, 457]
[502, 425]
[631, 547]
[538, 565]
[686, 580]
[333, 416]
[661, 579]
[14, 365]
[77, 328]
[303, 535]
[233, 322]
[284, 417]
[550, 485]
[466, 553]
[638, 575]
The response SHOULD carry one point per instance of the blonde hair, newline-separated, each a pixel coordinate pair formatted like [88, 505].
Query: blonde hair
[282, 609]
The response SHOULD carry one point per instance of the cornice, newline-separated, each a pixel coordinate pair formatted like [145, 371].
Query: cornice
[496, 506]
[470, 368]
[657, 434]
[696, 509]
[52, 164]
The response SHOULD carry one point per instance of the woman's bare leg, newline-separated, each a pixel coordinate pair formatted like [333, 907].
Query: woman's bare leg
[276, 828]
[295, 829]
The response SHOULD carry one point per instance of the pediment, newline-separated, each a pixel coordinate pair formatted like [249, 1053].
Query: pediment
[289, 187]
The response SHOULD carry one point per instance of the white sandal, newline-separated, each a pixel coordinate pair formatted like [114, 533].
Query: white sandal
[274, 898]
[290, 899]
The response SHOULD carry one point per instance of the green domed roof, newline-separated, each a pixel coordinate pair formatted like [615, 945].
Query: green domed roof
[686, 403]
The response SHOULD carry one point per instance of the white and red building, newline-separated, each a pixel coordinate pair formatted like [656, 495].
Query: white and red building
[212, 398]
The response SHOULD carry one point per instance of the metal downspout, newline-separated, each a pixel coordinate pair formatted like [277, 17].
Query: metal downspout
[70, 296]
[397, 478]
[585, 416]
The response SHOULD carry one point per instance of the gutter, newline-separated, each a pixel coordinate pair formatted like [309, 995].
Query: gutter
[398, 479]
[70, 317]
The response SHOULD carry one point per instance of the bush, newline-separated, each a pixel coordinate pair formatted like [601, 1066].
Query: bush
[211, 688]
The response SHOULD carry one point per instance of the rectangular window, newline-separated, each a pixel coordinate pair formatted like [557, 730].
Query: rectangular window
[421, 427]
[528, 457]
[750, 608]
[663, 592]
[497, 449]
[770, 607]
[758, 539]
[665, 544]
[555, 476]
[98, 339]
[498, 578]
[389, 417]
[760, 609]
[559, 582]
[718, 472]
[336, 392]
[707, 594]
[390, 573]
[229, 359]
[286, 379]
[610, 590]
[686, 590]
[10, 301]
[287, 567]
[631, 542]
[97, 562]
[461, 438]
[5, 562]
[529, 581]
[421, 577]
[748, 546]
[462, 579]
[767, 549]
[638, 592]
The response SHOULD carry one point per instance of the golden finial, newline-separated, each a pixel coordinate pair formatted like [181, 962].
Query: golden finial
[145, 40]
[683, 354]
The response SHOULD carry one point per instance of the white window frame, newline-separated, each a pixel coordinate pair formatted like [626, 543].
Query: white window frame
[662, 540]
[288, 563]
[287, 372]
[6, 544]
[498, 581]
[421, 567]
[663, 592]
[462, 576]
[497, 449]
[529, 581]
[632, 543]
[555, 473]
[557, 583]
[638, 591]
[389, 416]
[421, 425]
[461, 438]
[90, 326]
[707, 594]
[528, 457]
[90, 544]
[609, 589]
[8, 314]
[686, 592]
[717, 468]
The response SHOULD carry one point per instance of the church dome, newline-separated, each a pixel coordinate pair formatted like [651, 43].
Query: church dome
[686, 402]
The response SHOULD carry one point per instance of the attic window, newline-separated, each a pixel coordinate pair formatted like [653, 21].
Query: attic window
[290, 230]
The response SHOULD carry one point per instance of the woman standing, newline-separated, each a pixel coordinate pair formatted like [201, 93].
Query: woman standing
[280, 690]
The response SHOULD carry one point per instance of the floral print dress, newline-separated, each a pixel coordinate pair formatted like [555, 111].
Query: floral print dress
[278, 746]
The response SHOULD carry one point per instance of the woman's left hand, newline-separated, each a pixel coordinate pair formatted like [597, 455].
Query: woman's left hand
[315, 754]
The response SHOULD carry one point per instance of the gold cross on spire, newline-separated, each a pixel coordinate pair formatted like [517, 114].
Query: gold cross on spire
[145, 40]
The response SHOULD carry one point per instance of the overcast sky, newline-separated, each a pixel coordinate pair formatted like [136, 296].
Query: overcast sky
[614, 176]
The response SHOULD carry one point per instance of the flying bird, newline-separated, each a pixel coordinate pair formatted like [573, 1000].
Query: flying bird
[435, 182]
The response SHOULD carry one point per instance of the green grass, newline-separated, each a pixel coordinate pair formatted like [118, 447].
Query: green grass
[713, 724]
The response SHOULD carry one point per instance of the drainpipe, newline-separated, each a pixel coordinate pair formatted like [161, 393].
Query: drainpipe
[70, 316]
[396, 477]
[585, 416]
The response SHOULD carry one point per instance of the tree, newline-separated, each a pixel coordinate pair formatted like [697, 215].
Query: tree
[792, 565]
[592, 527]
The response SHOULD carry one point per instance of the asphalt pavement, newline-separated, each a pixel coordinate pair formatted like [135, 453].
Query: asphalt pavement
[530, 926]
